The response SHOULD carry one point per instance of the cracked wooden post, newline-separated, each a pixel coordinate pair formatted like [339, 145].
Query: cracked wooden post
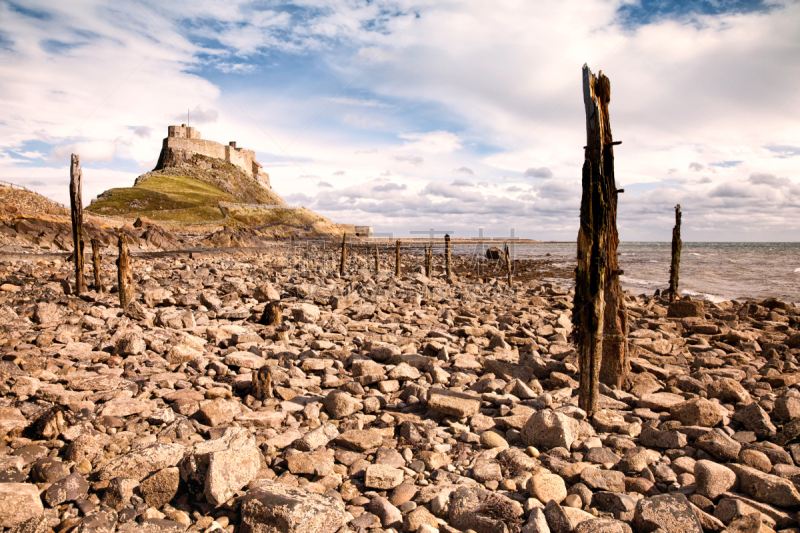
[599, 315]
[508, 264]
[76, 213]
[124, 272]
[377, 260]
[98, 283]
[428, 260]
[676, 255]
[397, 267]
[447, 268]
[343, 260]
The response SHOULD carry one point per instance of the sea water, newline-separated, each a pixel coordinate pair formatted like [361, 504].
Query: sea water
[713, 271]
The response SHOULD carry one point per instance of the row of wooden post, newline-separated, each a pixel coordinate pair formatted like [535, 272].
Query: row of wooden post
[427, 259]
[124, 272]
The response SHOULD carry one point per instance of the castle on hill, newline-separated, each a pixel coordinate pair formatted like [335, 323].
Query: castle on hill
[183, 143]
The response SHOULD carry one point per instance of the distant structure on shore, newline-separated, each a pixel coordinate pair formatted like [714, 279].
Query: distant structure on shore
[183, 143]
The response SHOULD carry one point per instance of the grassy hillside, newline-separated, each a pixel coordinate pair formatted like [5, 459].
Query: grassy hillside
[164, 197]
[281, 221]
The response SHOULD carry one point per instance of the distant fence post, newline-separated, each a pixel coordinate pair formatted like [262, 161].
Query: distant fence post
[397, 259]
[124, 273]
[98, 283]
[447, 267]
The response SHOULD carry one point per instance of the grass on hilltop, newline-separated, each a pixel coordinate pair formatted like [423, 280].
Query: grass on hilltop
[166, 198]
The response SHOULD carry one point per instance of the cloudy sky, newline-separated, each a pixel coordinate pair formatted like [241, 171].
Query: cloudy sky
[417, 114]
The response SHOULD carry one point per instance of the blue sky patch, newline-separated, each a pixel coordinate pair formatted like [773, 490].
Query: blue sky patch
[644, 12]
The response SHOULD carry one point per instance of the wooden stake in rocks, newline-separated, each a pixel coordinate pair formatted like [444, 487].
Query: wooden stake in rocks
[676, 255]
[447, 268]
[76, 213]
[397, 266]
[343, 261]
[599, 316]
[124, 272]
[508, 264]
[377, 260]
[98, 283]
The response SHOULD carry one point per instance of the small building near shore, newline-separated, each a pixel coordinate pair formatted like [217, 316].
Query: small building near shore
[363, 231]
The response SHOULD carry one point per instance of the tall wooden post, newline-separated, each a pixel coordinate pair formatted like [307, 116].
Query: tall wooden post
[508, 264]
[599, 316]
[397, 267]
[447, 268]
[98, 283]
[343, 260]
[76, 212]
[124, 272]
[377, 260]
[676, 255]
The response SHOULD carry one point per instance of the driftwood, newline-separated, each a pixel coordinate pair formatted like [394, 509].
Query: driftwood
[124, 272]
[676, 255]
[600, 321]
[76, 213]
[98, 283]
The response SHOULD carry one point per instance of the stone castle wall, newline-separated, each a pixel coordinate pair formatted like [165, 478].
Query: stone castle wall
[187, 139]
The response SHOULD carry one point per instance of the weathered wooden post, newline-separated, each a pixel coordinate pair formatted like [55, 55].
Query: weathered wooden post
[397, 267]
[447, 268]
[508, 264]
[98, 283]
[377, 260]
[676, 255]
[343, 260]
[599, 316]
[76, 213]
[124, 272]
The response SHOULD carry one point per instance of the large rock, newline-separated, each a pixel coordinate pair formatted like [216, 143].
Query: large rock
[712, 479]
[468, 510]
[278, 508]
[161, 487]
[222, 466]
[766, 488]
[686, 309]
[306, 313]
[719, 444]
[728, 390]
[383, 477]
[755, 419]
[546, 486]
[697, 412]
[141, 463]
[19, 502]
[454, 404]
[670, 512]
[219, 412]
[549, 429]
[340, 404]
